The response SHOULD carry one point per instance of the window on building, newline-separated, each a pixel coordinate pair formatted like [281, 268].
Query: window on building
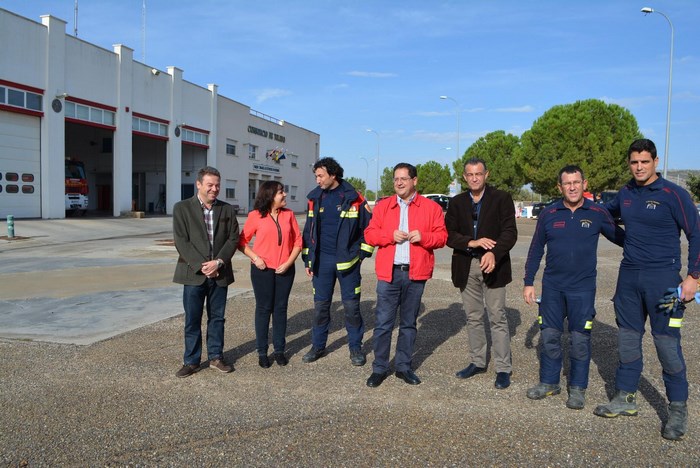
[20, 98]
[230, 189]
[89, 114]
[11, 177]
[252, 149]
[148, 126]
[293, 193]
[231, 146]
[194, 136]
[27, 177]
[294, 160]
[34, 101]
[27, 189]
[12, 188]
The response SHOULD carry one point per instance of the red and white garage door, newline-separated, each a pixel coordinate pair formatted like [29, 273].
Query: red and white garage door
[20, 166]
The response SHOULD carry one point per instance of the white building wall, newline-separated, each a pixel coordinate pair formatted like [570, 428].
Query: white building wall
[91, 72]
[25, 61]
[45, 57]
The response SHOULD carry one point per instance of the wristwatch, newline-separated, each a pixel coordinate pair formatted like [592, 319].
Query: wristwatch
[219, 262]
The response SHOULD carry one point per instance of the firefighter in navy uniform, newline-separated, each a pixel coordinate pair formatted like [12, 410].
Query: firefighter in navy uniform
[654, 212]
[334, 247]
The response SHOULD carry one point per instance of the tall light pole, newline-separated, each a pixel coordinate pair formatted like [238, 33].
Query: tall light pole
[456, 104]
[366, 174]
[376, 196]
[646, 11]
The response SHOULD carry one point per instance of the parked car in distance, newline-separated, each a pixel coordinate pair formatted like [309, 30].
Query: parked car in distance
[539, 206]
[440, 199]
[537, 209]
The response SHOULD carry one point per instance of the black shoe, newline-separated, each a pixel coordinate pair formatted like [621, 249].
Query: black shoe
[376, 379]
[502, 380]
[281, 359]
[470, 371]
[357, 357]
[264, 361]
[313, 355]
[187, 370]
[408, 376]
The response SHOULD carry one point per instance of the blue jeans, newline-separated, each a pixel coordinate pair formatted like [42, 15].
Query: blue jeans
[403, 295]
[193, 298]
[271, 299]
[323, 281]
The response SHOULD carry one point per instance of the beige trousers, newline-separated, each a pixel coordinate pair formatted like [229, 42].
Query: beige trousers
[475, 297]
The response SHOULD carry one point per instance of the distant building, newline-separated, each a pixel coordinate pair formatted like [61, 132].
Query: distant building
[141, 133]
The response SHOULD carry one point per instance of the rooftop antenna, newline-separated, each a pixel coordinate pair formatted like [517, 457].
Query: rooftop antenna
[75, 19]
[143, 31]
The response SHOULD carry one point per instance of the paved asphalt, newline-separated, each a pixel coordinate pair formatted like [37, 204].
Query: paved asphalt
[91, 336]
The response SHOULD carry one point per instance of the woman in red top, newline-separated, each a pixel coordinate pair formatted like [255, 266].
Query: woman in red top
[277, 246]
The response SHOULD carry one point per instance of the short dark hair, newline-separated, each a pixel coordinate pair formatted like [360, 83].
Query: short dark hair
[642, 144]
[266, 195]
[331, 166]
[207, 170]
[412, 171]
[474, 162]
[571, 169]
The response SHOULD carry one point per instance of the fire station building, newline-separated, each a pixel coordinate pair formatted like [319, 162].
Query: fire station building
[141, 133]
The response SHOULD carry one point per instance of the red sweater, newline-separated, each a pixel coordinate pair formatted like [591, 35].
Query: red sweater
[423, 215]
[271, 245]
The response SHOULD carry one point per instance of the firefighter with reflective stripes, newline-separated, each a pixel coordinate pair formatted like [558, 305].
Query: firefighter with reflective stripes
[570, 229]
[334, 247]
[654, 212]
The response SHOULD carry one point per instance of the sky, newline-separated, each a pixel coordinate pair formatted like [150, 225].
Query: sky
[341, 68]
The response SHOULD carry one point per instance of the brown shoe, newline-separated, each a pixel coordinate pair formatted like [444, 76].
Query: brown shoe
[220, 365]
[187, 370]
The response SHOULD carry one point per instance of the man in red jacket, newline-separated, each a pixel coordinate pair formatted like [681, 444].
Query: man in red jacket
[406, 229]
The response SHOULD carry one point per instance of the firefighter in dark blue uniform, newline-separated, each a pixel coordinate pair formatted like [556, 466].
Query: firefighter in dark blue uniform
[654, 212]
[570, 230]
[334, 247]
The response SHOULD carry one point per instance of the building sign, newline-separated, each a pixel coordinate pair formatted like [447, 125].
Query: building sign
[266, 134]
[266, 168]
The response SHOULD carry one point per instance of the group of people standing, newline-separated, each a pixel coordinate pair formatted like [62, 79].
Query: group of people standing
[405, 229]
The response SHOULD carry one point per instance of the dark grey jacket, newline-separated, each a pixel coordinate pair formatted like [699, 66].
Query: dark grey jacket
[192, 244]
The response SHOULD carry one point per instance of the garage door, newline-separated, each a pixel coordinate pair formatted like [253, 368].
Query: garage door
[20, 167]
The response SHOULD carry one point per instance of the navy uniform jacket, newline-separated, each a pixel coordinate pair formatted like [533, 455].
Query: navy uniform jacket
[572, 243]
[653, 216]
[350, 240]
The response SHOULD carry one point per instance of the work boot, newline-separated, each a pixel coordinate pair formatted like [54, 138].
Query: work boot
[577, 398]
[622, 404]
[357, 357]
[313, 355]
[543, 390]
[677, 422]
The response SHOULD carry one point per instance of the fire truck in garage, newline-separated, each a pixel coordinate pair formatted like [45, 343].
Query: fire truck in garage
[76, 187]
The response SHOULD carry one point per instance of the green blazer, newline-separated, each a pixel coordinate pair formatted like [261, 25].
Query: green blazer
[192, 243]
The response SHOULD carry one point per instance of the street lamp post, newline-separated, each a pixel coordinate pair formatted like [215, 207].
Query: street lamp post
[366, 175]
[456, 104]
[376, 196]
[646, 11]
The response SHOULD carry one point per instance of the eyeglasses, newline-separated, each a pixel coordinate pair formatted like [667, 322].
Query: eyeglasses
[402, 179]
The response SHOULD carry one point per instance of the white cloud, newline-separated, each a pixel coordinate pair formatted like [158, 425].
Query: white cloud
[271, 93]
[520, 109]
[629, 102]
[364, 74]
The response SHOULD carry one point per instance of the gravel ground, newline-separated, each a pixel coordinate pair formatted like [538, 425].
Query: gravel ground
[118, 403]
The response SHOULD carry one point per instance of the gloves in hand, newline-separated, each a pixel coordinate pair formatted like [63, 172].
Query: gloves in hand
[672, 300]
